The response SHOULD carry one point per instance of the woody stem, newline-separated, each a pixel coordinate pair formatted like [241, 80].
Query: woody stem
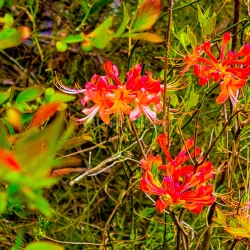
[170, 11]
[236, 20]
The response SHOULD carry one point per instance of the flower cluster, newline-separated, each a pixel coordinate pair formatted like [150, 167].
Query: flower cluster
[232, 68]
[139, 95]
[180, 185]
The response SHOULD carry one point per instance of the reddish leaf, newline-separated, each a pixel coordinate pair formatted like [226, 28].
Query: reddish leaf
[13, 37]
[66, 171]
[44, 113]
[8, 159]
[146, 36]
[148, 14]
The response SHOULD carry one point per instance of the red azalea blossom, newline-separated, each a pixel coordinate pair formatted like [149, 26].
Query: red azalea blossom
[139, 95]
[180, 185]
[8, 159]
[235, 66]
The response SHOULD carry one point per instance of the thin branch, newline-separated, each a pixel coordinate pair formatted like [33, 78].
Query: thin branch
[237, 4]
[220, 134]
[170, 12]
[179, 226]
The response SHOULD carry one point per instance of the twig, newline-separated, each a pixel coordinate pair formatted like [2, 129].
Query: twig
[170, 12]
[220, 134]
[179, 226]
[91, 148]
[99, 167]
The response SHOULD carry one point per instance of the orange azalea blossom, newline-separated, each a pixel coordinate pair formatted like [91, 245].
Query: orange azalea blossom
[180, 185]
[235, 66]
[230, 88]
[139, 95]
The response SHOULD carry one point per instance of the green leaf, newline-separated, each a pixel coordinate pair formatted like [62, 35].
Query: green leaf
[36, 183]
[1, 3]
[148, 14]
[98, 5]
[66, 135]
[101, 41]
[13, 188]
[221, 217]
[43, 206]
[48, 93]
[30, 94]
[43, 245]
[22, 107]
[192, 100]
[36, 201]
[61, 97]
[10, 37]
[200, 14]
[124, 21]
[3, 136]
[239, 232]
[183, 38]
[208, 25]
[146, 212]
[85, 7]
[4, 96]
[206, 14]
[26, 117]
[3, 201]
[61, 46]
[147, 36]
[192, 37]
[8, 20]
[9, 3]
[6, 33]
[73, 38]
[104, 26]
[30, 5]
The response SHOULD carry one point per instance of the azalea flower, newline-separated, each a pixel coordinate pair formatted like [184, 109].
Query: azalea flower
[182, 157]
[177, 187]
[230, 88]
[180, 185]
[233, 66]
[142, 104]
[139, 95]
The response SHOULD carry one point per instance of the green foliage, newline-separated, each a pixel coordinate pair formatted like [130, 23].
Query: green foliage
[11, 37]
[30, 94]
[206, 21]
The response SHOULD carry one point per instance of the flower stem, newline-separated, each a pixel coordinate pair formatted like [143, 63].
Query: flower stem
[138, 140]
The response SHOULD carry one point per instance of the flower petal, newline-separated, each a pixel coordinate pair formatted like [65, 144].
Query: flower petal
[223, 96]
